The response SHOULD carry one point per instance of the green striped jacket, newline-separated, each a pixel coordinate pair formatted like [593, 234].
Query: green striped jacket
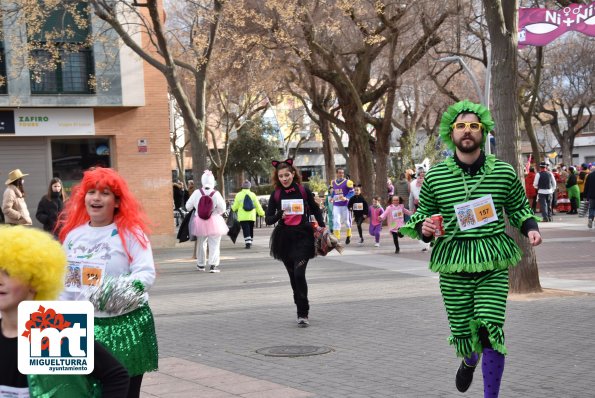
[483, 248]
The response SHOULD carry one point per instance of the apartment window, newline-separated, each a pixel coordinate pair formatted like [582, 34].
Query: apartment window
[69, 75]
[62, 61]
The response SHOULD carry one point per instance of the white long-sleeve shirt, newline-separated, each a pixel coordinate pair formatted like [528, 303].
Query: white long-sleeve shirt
[96, 252]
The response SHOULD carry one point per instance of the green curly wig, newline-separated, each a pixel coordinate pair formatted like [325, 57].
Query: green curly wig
[455, 110]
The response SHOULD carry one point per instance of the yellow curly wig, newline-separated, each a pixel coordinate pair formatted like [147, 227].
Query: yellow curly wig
[35, 258]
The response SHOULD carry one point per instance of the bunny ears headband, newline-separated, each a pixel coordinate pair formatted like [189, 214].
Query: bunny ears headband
[277, 163]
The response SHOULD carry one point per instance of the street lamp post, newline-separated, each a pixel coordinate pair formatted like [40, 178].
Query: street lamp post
[484, 98]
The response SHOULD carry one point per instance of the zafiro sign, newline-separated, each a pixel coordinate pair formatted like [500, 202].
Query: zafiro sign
[55, 337]
[540, 26]
[36, 122]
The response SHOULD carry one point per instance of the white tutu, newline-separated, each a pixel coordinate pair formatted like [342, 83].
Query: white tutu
[214, 226]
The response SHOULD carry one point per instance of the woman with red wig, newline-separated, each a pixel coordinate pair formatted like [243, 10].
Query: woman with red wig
[104, 233]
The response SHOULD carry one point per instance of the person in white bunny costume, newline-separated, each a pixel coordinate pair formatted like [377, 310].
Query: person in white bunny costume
[208, 232]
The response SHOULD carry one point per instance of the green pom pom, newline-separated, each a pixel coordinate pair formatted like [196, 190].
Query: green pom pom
[138, 286]
[455, 110]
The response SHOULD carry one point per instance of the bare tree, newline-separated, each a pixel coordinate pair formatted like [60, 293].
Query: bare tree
[362, 50]
[530, 76]
[179, 141]
[568, 90]
[317, 99]
[182, 52]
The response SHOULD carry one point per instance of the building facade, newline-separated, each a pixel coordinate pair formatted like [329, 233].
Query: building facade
[102, 106]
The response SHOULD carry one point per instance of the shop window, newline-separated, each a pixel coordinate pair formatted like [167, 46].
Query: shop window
[71, 157]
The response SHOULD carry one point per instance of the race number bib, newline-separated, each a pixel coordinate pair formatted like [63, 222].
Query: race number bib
[398, 213]
[82, 273]
[337, 198]
[358, 206]
[292, 206]
[476, 213]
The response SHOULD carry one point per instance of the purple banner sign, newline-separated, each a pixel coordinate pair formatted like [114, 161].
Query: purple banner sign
[540, 26]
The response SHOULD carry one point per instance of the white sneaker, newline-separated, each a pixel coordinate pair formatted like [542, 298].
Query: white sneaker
[200, 268]
[376, 244]
[303, 322]
[214, 269]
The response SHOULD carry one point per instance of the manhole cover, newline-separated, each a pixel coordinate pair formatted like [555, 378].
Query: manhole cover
[293, 351]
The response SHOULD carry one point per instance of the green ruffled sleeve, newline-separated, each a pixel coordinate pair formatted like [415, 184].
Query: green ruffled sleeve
[427, 207]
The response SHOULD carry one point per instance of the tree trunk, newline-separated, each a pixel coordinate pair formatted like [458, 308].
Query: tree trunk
[524, 278]
[566, 149]
[382, 152]
[219, 175]
[406, 143]
[383, 132]
[327, 148]
[197, 136]
[536, 153]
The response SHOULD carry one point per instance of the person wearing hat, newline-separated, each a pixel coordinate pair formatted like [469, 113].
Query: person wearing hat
[472, 191]
[545, 183]
[14, 206]
[248, 206]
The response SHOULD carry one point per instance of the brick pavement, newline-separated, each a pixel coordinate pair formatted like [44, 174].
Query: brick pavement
[380, 313]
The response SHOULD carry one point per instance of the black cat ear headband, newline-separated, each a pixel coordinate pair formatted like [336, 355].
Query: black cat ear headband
[277, 163]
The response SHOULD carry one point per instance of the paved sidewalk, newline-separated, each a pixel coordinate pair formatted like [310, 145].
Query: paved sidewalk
[380, 313]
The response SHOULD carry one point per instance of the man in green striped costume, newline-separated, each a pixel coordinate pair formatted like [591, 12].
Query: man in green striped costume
[472, 191]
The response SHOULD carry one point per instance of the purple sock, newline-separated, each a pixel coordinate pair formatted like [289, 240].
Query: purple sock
[472, 360]
[492, 367]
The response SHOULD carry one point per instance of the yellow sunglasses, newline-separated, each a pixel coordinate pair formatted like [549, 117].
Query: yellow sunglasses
[460, 126]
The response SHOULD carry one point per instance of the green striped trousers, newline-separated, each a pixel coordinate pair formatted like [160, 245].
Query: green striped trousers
[473, 301]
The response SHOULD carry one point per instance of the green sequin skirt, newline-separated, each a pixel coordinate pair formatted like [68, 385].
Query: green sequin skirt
[131, 339]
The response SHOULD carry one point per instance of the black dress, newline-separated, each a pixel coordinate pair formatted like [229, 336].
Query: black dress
[292, 242]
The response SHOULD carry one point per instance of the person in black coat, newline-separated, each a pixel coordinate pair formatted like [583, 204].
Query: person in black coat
[51, 205]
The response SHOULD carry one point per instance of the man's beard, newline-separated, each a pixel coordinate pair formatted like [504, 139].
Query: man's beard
[467, 148]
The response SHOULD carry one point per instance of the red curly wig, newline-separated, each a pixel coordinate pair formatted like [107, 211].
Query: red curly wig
[128, 217]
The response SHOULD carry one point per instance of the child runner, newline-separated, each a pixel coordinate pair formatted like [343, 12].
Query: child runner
[374, 214]
[395, 216]
[359, 206]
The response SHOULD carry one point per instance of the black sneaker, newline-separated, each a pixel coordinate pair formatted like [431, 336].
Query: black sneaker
[200, 268]
[348, 240]
[248, 245]
[397, 251]
[361, 241]
[464, 376]
[214, 269]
